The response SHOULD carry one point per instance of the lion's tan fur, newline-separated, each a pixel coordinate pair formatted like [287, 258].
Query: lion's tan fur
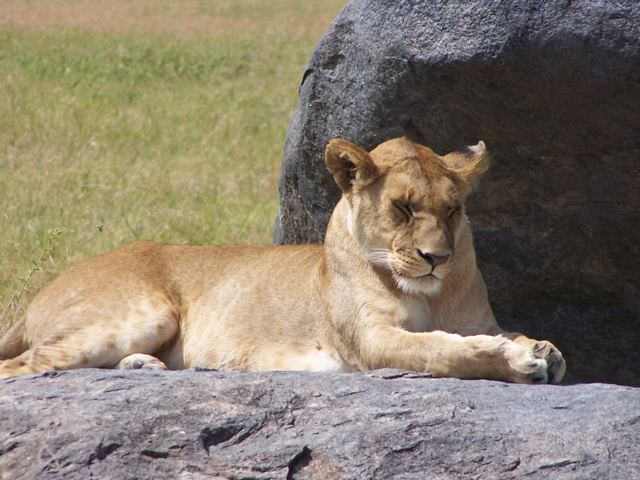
[394, 285]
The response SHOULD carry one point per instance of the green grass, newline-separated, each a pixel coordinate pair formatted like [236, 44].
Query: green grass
[117, 135]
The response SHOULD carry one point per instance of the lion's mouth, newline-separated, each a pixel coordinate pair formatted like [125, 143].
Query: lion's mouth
[415, 277]
[424, 284]
[430, 274]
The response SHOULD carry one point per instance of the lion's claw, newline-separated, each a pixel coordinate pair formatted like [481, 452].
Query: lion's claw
[539, 362]
[556, 366]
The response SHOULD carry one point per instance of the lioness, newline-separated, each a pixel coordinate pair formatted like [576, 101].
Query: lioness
[394, 285]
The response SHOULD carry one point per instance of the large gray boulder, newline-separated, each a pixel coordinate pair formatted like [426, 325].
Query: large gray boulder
[386, 424]
[553, 88]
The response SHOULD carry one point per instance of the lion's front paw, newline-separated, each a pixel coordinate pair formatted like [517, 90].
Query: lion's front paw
[140, 361]
[539, 362]
[556, 365]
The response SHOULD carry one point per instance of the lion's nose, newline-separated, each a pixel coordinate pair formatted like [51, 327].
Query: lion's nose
[434, 260]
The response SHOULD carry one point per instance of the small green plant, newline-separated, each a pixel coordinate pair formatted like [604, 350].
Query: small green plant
[16, 304]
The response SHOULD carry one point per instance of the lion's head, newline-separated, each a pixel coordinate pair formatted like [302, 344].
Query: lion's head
[406, 205]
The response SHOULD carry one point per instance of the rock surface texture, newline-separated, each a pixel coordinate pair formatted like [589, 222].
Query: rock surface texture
[553, 88]
[385, 424]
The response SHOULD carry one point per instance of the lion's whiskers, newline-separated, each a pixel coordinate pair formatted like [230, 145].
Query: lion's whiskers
[380, 257]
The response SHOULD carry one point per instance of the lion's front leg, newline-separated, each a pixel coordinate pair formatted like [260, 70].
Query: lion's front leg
[451, 355]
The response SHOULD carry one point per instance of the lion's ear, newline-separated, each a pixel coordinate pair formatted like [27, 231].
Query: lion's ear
[349, 164]
[469, 163]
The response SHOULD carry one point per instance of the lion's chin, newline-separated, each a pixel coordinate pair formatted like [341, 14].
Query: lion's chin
[425, 285]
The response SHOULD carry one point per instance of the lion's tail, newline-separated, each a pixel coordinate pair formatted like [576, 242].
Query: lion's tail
[13, 342]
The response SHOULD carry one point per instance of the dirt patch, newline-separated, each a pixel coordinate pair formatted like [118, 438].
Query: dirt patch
[179, 17]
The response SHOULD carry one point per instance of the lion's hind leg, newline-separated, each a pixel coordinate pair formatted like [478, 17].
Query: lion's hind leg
[43, 358]
[99, 344]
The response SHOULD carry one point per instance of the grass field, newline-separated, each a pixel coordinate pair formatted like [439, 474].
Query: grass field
[152, 119]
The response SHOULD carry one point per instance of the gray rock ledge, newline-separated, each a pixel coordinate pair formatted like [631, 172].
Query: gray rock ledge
[291, 425]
